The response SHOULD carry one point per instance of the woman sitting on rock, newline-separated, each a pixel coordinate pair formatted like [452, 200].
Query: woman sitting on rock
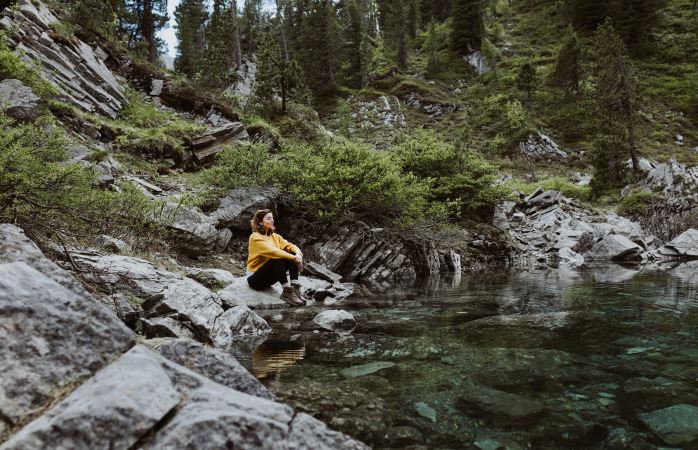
[270, 257]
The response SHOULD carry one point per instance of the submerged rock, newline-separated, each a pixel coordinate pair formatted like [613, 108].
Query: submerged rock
[336, 320]
[675, 425]
[366, 369]
[502, 408]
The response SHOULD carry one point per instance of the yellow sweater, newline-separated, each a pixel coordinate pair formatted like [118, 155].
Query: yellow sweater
[263, 248]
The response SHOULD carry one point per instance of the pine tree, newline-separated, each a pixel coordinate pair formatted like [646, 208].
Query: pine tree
[567, 72]
[355, 44]
[433, 44]
[319, 47]
[491, 54]
[413, 18]
[526, 81]
[190, 17]
[393, 18]
[219, 53]
[277, 73]
[147, 18]
[250, 26]
[468, 25]
[617, 87]
[438, 10]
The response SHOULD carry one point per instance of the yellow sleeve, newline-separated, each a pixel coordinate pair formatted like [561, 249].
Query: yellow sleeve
[261, 247]
[287, 246]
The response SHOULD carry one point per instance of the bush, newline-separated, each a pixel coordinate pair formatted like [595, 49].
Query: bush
[348, 180]
[456, 177]
[238, 166]
[50, 198]
[637, 203]
[12, 66]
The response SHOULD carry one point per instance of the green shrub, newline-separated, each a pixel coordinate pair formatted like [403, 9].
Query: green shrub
[349, 180]
[49, 198]
[637, 203]
[238, 166]
[456, 177]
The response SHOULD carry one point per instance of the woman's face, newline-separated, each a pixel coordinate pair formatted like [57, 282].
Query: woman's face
[268, 221]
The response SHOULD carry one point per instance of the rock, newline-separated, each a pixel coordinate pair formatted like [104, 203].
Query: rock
[194, 233]
[156, 87]
[478, 62]
[238, 321]
[164, 327]
[118, 405]
[222, 240]
[111, 244]
[123, 309]
[237, 208]
[144, 185]
[570, 257]
[243, 86]
[544, 199]
[320, 271]
[616, 248]
[205, 146]
[71, 65]
[501, 408]
[366, 369]
[684, 245]
[51, 338]
[15, 246]
[18, 101]
[240, 293]
[425, 411]
[217, 365]
[336, 320]
[675, 425]
[106, 170]
[541, 146]
[211, 278]
[308, 432]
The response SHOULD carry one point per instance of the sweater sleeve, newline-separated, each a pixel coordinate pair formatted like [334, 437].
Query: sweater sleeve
[287, 246]
[261, 247]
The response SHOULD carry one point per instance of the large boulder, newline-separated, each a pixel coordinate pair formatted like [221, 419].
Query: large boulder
[71, 65]
[238, 321]
[111, 410]
[237, 208]
[336, 320]
[194, 233]
[616, 248]
[239, 293]
[50, 338]
[18, 100]
[218, 365]
[675, 425]
[684, 245]
[208, 144]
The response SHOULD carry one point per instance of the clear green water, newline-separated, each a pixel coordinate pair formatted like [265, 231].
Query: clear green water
[515, 360]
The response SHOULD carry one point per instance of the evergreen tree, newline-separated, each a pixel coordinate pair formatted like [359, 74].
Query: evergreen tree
[468, 25]
[147, 17]
[567, 72]
[250, 26]
[433, 43]
[617, 88]
[319, 44]
[96, 15]
[393, 18]
[277, 73]
[491, 54]
[190, 17]
[526, 81]
[413, 18]
[438, 10]
[355, 44]
[219, 53]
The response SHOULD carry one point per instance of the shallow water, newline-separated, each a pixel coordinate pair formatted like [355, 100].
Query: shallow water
[556, 359]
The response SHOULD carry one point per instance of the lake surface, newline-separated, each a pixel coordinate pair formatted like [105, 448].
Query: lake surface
[599, 358]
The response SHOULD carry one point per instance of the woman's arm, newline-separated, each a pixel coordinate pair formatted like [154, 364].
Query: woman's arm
[262, 247]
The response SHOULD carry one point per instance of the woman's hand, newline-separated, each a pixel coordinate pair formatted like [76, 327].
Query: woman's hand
[298, 259]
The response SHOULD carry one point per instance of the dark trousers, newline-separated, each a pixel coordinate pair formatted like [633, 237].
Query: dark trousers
[271, 272]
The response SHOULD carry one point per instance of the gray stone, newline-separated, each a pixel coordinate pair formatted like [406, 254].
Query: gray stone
[50, 338]
[243, 86]
[156, 87]
[307, 432]
[223, 239]
[478, 62]
[121, 306]
[111, 410]
[237, 208]
[149, 187]
[112, 244]
[570, 257]
[320, 271]
[541, 146]
[238, 321]
[205, 146]
[218, 365]
[194, 232]
[502, 408]
[16, 246]
[240, 293]
[18, 100]
[616, 248]
[366, 369]
[164, 327]
[425, 411]
[211, 278]
[677, 424]
[336, 320]
[684, 245]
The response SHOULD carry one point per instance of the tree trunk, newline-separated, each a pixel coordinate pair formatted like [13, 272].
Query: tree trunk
[237, 56]
[148, 29]
[633, 150]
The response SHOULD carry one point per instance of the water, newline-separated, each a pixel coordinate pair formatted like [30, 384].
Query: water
[556, 359]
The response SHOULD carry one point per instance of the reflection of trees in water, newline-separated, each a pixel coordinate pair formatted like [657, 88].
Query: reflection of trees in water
[272, 358]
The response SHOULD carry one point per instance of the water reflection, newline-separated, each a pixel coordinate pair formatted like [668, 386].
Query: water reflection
[543, 359]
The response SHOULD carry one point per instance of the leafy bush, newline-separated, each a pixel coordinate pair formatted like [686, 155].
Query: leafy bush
[349, 180]
[240, 165]
[50, 198]
[456, 177]
[637, 202]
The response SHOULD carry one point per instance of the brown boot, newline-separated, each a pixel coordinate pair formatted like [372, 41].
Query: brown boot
[289, 296]
[297, 289]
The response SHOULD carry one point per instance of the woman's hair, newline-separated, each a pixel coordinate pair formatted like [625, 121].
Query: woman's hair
[256, 222]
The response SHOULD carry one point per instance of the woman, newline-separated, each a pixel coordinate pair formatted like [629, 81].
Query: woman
[270, 257]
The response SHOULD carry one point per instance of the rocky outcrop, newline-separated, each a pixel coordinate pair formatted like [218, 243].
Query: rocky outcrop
[540, 145]
[385, 112]
[677, 183]
[194, 233]
[18, 101]
[78, 72]
[684, 246]
[243, 86]
[478, 62]
[547, 228]
[205, 146]
[239, 293]
[172, 305]
[236, 209]
[373, 258]
[430, 107]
